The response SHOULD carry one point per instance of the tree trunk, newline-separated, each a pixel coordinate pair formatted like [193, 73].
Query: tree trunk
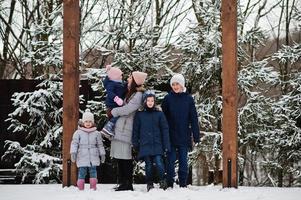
[280, 178]
[7, 31]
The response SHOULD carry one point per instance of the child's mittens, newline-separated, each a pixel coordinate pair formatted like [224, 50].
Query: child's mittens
[73, 157]
[118, 100]
[102, 158]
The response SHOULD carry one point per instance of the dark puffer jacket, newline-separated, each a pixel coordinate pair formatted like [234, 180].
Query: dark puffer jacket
[113, 89]
[180, 112]
[150, 133]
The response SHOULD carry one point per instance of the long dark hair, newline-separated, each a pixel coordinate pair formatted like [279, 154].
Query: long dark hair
[132, 90]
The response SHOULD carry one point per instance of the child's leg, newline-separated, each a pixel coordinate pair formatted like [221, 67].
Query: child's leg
[148, 172]
[108, 129]
[161, 170]
[148, 169]
[82, 172]
[114, 120]
[159, 165]
[183, 166]
[93, 177]
[170, 166]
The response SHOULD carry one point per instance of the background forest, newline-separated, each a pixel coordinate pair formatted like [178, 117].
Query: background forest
[162, 37]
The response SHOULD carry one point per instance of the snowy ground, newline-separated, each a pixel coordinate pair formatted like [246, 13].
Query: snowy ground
[105, 192]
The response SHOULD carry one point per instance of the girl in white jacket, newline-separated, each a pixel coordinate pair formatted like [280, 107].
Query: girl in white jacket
[86, 150]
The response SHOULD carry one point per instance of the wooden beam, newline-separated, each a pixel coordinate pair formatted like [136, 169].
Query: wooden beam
[229, 91]
[70, 85]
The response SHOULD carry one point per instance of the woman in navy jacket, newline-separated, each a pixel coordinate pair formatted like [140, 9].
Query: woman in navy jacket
[151, 138]
[179, 109]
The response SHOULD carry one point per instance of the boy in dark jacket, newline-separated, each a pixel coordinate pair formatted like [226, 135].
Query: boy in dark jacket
[116, 90]
[179, 109]
[151, 138]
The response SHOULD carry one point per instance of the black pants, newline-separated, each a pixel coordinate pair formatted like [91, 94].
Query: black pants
[125, 171]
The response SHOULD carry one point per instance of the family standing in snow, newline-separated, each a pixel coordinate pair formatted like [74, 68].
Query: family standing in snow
[138, 124]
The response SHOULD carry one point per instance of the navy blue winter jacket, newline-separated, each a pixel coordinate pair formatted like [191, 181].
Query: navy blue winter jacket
[113, 89]
[180, 112]
[150, 133]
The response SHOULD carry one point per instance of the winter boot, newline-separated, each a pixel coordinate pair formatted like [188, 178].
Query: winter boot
[169, 184]
[149, 186]
[120, 187]
[125, 186]
[129, 185]
[163, 184]
[108, 130]
[81, 184]
[93, 182]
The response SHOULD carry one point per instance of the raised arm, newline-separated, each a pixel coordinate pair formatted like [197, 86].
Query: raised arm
[133, 105]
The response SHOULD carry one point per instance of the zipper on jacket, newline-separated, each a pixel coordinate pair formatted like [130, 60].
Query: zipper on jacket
[123, 127]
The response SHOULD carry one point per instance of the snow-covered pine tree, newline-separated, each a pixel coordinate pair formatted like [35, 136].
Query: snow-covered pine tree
[137, 34]
[282, 164]
[259, 98]
[39, 115]
[44, 39]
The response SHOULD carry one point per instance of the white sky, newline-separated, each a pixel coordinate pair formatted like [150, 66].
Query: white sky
[268, 23]
[105, 192]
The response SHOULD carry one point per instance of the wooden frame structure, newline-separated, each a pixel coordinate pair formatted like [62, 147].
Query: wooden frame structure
[229, 91]
[229, 88]
[70, 85]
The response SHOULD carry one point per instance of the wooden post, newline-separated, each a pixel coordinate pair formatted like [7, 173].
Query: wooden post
[229, 80]
[70, 85]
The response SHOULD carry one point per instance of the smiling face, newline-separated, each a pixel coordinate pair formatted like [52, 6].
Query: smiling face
[88, 124]
[176, 87]
[150, 102]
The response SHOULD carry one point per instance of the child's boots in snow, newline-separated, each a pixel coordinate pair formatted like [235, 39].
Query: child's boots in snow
[93, 182]
[81, 184]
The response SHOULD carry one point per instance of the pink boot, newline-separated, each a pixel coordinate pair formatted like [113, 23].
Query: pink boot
[93, 182]
[81, 184]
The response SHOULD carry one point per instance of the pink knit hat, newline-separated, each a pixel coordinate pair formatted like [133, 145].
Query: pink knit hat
[114, 73]
[139, 77]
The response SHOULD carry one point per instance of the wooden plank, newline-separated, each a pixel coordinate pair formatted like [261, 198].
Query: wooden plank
[70, 84]
[229, 91]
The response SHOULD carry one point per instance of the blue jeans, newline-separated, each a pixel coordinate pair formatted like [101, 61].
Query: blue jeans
[182, 153]
[149, 161]
[82, 172]
[114, 120]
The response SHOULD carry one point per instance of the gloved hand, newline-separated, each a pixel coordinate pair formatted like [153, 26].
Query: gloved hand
[73, 157]
[102, 158]
[118, 100]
